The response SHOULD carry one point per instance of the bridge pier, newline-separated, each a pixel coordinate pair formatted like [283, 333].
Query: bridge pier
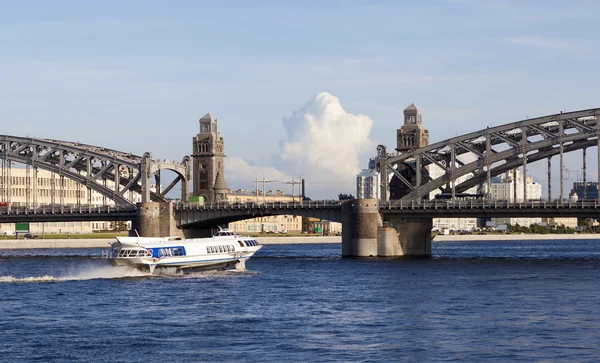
[413, 236]
[156, 219]
[360, 221]
[365, 234]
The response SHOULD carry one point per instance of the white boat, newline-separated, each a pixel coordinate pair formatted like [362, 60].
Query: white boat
[224, 249]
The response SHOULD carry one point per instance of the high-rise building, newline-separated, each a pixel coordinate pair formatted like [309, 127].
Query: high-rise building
[503, 188]
[587, 190]
[456, 224]
[367, 184]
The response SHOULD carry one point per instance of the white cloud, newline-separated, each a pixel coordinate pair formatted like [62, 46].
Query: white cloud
[323, 145]
[539, 42]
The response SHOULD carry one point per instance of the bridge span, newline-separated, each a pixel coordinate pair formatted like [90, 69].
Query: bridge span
[397, 224]
[196, 215]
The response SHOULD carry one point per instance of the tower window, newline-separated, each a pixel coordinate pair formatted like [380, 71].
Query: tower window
[203, 180]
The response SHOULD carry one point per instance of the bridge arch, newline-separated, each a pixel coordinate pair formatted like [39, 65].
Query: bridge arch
[91, 166]
[489, 152]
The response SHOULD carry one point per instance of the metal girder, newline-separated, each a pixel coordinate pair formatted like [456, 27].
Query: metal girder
[469, 148]
[542, 154]
[580, 125]
[132, 181]
[403, 179]
[173, 183]
[507, 140]
[435, 148]
[542, 131]
[584, 125]
[87, 164]
[436, 162]
[578, 141]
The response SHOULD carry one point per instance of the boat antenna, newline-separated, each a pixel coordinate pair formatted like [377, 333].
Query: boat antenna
[136, 232]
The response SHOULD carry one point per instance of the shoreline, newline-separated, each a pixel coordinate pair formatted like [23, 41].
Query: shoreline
[23, 244]
[513, 237]
[105, 242]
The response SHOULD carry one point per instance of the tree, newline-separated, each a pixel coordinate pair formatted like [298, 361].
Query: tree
[344, 196]
[119, 226]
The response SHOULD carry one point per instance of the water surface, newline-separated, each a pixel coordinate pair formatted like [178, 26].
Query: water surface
[494, 300]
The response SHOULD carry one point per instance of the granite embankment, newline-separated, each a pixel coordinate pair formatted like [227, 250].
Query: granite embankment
[104, 242]
[513, 237]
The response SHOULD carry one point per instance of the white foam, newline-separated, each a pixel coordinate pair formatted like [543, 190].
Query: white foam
[104, 272]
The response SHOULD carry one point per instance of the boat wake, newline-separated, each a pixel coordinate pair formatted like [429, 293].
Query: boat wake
[105, 272]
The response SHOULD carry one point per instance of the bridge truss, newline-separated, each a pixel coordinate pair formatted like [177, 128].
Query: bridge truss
[484, 154]
[116, 175]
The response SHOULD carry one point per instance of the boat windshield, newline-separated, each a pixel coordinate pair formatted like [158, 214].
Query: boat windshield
[224, 232]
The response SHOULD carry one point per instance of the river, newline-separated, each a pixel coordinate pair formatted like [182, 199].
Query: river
[493, 300]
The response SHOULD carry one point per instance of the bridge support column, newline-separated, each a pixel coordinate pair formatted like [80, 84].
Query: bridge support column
[387, 242]
[156, 219]
[413, 236]
[360, 221]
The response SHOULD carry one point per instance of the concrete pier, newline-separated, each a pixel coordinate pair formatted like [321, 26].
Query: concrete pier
[156, 219]
[360, 220]
[365, 234]
[414, 235]
[387, 242]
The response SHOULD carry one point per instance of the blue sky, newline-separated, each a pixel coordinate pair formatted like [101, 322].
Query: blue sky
[137, 75]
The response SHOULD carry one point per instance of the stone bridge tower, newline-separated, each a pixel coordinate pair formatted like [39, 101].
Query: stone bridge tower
[209, 161]
[366, 232]
[411, 135]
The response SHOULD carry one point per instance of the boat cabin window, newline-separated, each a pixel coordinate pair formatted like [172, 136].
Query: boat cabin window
[177, 251]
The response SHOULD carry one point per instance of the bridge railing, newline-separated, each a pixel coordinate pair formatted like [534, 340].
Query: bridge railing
[313, 204]
[494, 204]
[62, 209]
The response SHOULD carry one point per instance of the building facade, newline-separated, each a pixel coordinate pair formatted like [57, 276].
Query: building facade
[587, 190]
[503, 188]
[275, 224]
[367, 184]
[453, 224]
[47, 188]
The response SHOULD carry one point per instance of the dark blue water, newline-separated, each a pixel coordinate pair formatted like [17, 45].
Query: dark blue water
[495, 301]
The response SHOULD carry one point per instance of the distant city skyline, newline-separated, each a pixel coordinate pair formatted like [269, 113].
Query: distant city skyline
[301, 89]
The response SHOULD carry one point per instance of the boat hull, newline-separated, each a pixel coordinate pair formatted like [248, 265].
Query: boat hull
[187, 263]
[149, 253]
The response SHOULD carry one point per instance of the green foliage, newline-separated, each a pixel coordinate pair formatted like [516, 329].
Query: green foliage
[537, 229]
[343, 196]
[119, 226]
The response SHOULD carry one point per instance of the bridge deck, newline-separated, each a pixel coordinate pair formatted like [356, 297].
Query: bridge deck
[496, 209]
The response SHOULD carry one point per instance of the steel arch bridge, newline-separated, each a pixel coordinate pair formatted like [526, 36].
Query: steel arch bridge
[473, 159]
[91, 166]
